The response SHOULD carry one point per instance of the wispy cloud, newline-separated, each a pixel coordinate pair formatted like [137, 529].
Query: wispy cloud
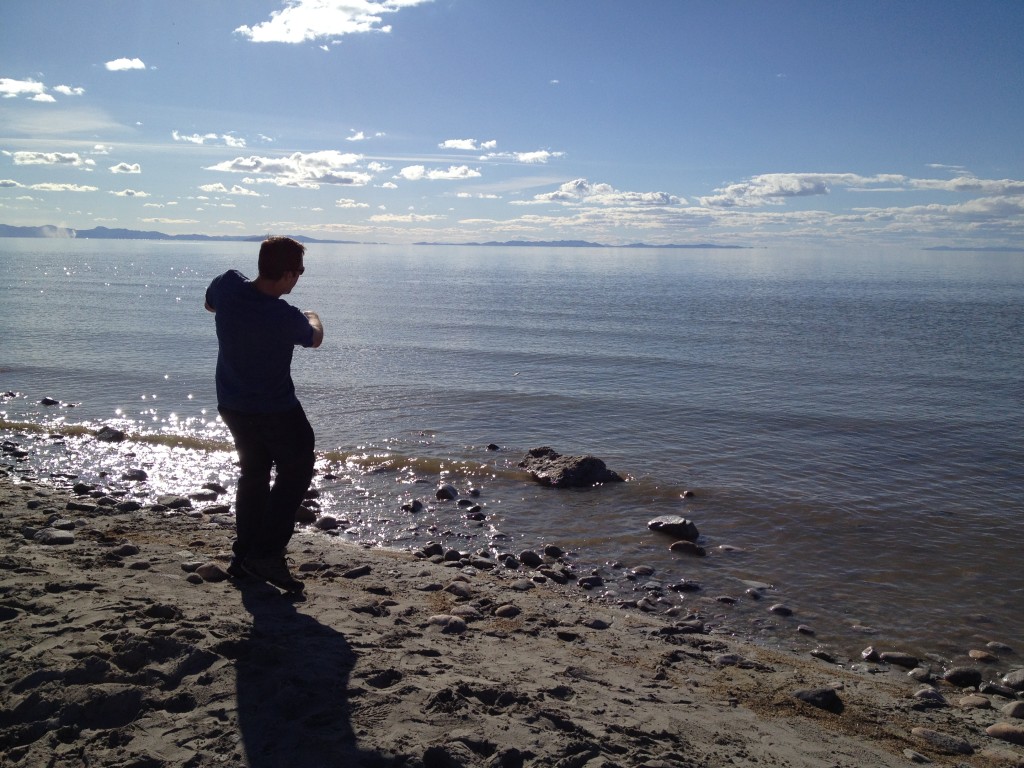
[309, 20]
[125, 64]
[130, 193]
[126, 168]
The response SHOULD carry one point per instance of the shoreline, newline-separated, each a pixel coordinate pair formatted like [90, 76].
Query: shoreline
[126, 645]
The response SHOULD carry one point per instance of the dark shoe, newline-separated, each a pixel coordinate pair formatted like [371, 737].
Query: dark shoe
[273, 570]
[235, 569]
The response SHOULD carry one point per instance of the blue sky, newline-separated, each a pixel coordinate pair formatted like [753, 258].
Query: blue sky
[669, 121]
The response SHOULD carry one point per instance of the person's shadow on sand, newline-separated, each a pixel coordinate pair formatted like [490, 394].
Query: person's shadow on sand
[293, 707]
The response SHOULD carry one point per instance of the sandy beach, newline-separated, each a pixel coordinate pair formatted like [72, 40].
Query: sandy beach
[124, 643]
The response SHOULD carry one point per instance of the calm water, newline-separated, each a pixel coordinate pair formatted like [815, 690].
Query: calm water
[850, 422]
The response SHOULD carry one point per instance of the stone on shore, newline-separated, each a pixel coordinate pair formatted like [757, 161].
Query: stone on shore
[1010, 732]
[943, 742]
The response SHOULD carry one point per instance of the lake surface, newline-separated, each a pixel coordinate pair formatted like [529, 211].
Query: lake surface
[850, 422]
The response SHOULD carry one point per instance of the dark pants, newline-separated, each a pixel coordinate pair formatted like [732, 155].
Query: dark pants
[265, 514]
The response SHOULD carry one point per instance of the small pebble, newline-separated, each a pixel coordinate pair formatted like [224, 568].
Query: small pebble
[781, 609]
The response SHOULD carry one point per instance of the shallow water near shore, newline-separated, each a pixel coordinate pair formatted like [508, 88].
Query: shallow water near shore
[849, 422]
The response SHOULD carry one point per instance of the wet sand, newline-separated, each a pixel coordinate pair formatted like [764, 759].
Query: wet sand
[124, 643]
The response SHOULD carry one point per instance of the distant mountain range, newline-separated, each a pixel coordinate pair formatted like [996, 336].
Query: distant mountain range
[104, 233]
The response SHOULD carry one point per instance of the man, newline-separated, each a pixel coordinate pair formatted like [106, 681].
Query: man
[257, 331]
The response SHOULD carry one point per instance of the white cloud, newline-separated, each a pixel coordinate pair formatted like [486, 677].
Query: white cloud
[346, 202]
[49, 187]
[301, 169]
[130, 193]
[583, 192]
[306, 20]
[469, 145]
[170, 221]
[72, 159]
[8, 183]
[538, 156]
[776, 188]
[454, 172]
[225, 138]
[67, 90]
[405, 218]
[122, 65]
[126, 168]
[44, 98]
[10, 88]
[234, 190]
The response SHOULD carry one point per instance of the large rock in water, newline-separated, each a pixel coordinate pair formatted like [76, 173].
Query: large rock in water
[549, 467]
[676, 526]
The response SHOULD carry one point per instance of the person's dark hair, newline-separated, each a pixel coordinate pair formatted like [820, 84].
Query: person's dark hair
[279, 255]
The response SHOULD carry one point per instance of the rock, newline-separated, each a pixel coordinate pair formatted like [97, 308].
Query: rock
[357, 572]
[685, 585]
[128, 506]
[326, 523]
[506, 611]
[985, 657]
[869, 654]
[943, 742]
[676, 526]
[899, 659]
[921, 674]
[125, 550]
[111, 435]
[1014, 709]
[688, 548]
[450, 625]
[530, 559]
[1010, 732]
[995, 689]
[446, 492]
[931, 697]
[975, 702]
[211, 572]
[173, 501]
[590, 582]
[49, 401]
[53, 537]
[781, 609]
[413, 506]
[553, 551]
[821, 653]
[822, 698]
[1014, 679]
[963, 677]
[548, 467]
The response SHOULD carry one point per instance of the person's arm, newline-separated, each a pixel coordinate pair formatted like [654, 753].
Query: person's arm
[209, 308]
[318, 328]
